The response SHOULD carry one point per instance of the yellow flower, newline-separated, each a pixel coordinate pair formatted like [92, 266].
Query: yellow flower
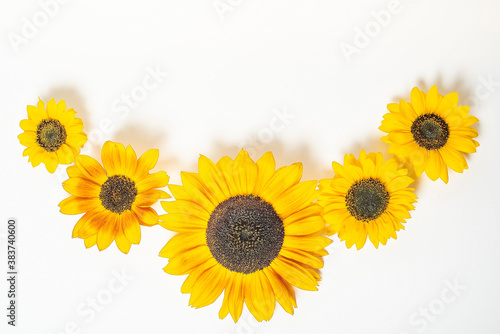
[116, 200]
[431, 132]
[248, 230]
[366, 197]
[52, 136]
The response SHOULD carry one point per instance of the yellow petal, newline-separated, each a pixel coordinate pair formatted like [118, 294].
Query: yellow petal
[418, 101]
[199, 193]
[113, 158]
[180, 222]
[265, 170]
[408, 111]
[398, 183]
[295, 198]
[294, 274]
[313, 210]
[187, 207]
[130, 161]
[130, 226]
[213, 179]
[52, 111]
[82, 222]
[400, 137]
[205, 294]
[461, 144]
[236, 297]
[283, 179]
[303, 257]
[107, 232]
[194, 276]
[182, 242]
[65, 154]
[93, 222]
[434, 165]
[151, 181]
[245, 171]
[74, 171]
[224, 310]
[38, 155]
[146, 162]
[51, 161]
[185, 262]
[75, 205]
[432, 99]
[147, 198]
[449, 102]
[91, 241]
[81, 187]
[91, 169]
[76, 139]
[225, 165]
[27, 139]
[67, 117]
[145, 215]
[306, 226]
[282, 290]
[28, 125]
[306, 242]
[259, 296]
[37, 114]
[122, 242]
[453, 159]
[75, 125]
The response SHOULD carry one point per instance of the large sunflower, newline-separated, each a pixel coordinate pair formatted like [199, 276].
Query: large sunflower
[431, 132]
[53, 135]
[366, 197]
[116, 200]
[248, 230]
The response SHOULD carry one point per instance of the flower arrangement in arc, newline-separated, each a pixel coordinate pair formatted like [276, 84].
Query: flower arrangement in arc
[52, 135]
[367, 197]
[116, 199]
[432, 132]
[245, 229]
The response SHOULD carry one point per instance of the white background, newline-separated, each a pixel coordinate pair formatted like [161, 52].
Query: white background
[229, 75]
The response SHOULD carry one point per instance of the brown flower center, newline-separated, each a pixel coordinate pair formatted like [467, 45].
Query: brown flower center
[367, 199]
[118, 193]
[50, 134]
[430, 131]
[245, 234]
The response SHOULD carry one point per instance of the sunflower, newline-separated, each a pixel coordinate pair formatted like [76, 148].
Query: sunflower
[248, 230]
[116, 200]
[366, 197]
[431, 132]
[52, 136]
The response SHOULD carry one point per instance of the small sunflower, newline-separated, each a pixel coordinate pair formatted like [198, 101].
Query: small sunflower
[248, 230]
[366, 197]
[431, 132]
[52, 136]
[116, 200]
